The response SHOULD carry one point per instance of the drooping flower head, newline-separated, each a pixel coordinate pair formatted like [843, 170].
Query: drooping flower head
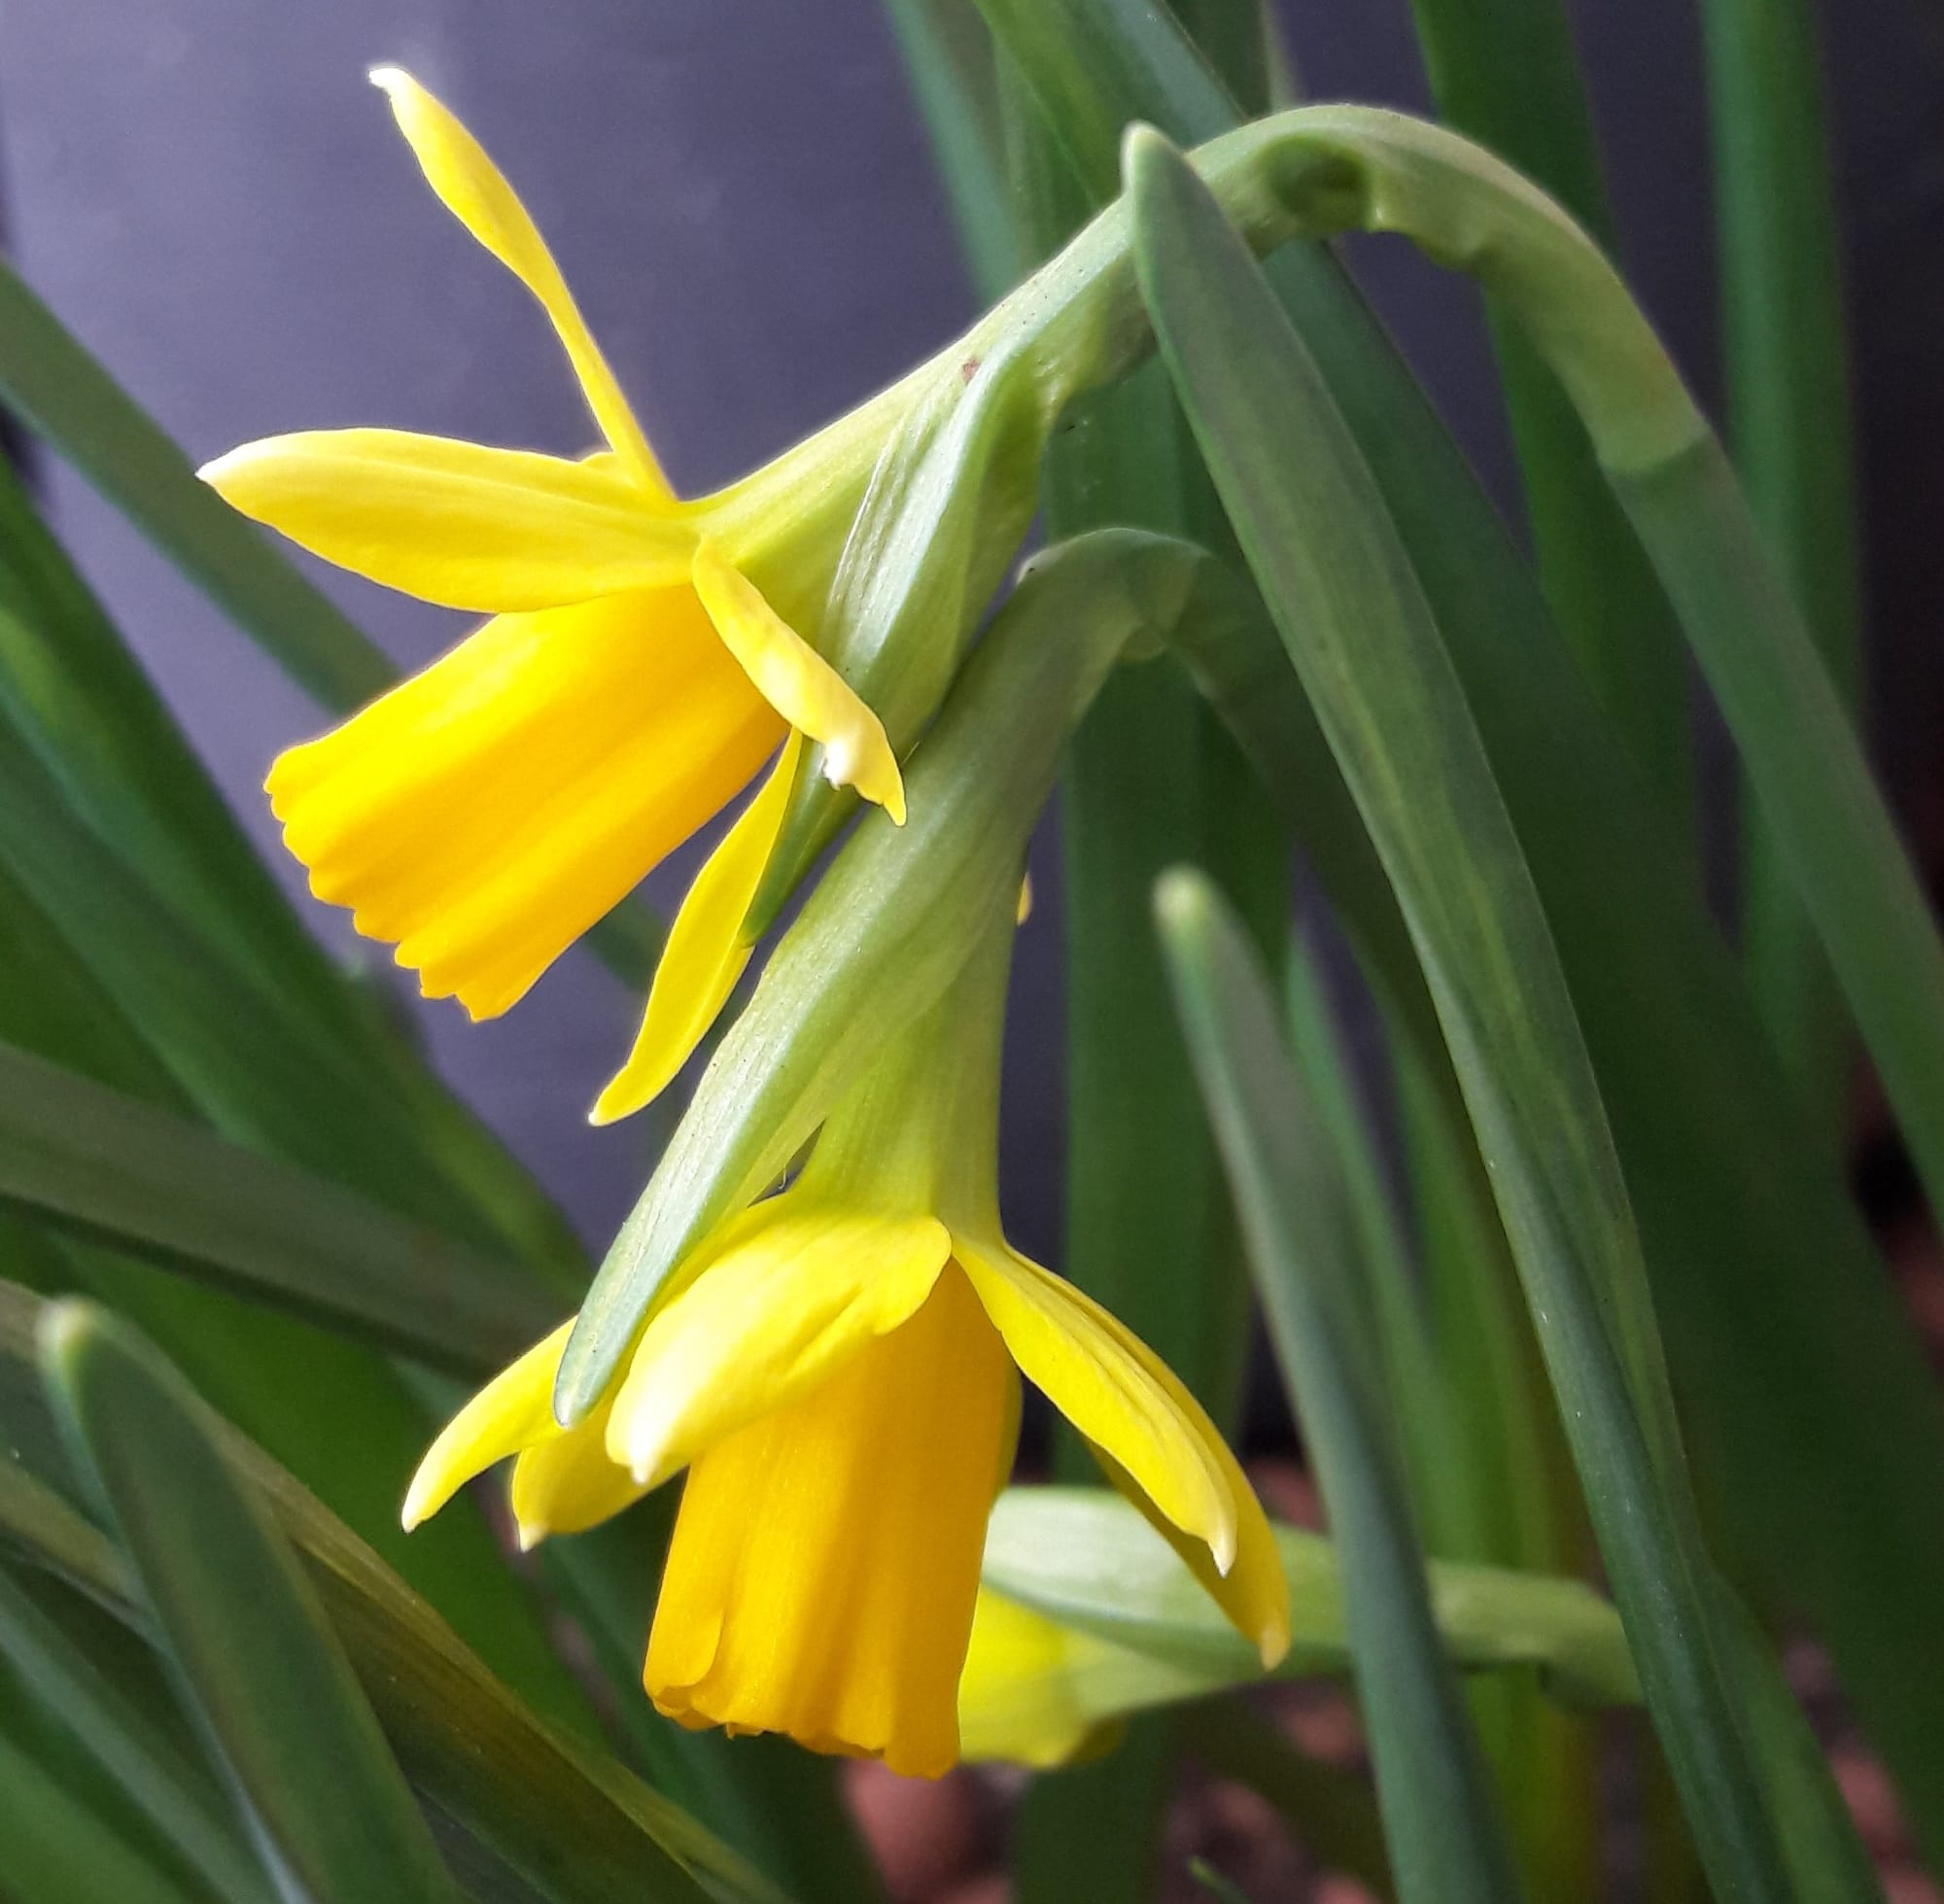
[838, 1366]
[641, 664]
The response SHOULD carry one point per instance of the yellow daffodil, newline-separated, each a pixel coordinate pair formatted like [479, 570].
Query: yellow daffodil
[641, 663]
[839, 1370]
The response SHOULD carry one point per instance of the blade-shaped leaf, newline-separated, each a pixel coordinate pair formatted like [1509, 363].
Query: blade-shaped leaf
[950, 61]
[1440, 1820]
[125, 1742]
[256, 1658]
[1083, 1560]
[1509, 78]
[1790, 427]
[277, 1376]
[1844, 1495]
[57, 1850]
[575, 1826]
[75, 1153]
[1360, 633]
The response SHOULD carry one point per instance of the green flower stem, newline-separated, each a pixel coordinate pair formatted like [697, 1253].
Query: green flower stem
[1322, 170]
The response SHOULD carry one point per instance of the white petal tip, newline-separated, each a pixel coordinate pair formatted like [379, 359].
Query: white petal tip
[531, 1533]
[840, 763]
[388, 79]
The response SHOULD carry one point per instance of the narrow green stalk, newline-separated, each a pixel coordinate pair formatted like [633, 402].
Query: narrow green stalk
[1790, 427]
[254, 1658]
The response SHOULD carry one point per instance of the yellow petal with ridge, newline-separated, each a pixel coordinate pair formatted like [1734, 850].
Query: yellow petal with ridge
[483, 815]
[514, 1410]
[705, 953]
[761, 1325]
[1155, 1439]
[472, 188]
[825, 1562]
[460, 524]
[799, 683]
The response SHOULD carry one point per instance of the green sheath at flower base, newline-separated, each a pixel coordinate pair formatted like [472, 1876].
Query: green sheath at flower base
[892, 921]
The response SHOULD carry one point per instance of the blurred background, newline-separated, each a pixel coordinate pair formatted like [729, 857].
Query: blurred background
[210, 194]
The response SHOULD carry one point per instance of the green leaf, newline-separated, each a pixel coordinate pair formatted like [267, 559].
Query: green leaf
[949, 59]
[1508, 78]
[66, 395]
[1343, 591]
[228, 1045]
[256, 1658]
[1672, 478]
[144, 1763]
[575, 1826]
[59, 1851]
[1085, 1559]
[1842, 1493]
[278, 1377]
[1300, 1226]
[1790, 426]
[109, 1167]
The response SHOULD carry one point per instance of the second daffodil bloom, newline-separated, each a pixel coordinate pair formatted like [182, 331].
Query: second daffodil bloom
[640, 666]
[839, 1370]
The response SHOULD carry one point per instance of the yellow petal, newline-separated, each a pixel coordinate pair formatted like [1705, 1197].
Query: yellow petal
[705, 954]
[763, 1324]
[514, 1410]
[470, 185]
[1254, 1590]
[455, 523]
[567, 1483]
[799, 683]
[1156, 1439]
[1037, 1693]
[825, 1562]
[486, 813]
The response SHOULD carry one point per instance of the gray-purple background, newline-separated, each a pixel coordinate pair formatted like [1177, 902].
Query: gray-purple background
[738, 190]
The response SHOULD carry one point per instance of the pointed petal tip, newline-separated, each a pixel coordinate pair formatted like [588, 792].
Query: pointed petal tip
[623, 1097]
[1273, 1644]
[418, 1506]
[529, 1534]
[388, 79]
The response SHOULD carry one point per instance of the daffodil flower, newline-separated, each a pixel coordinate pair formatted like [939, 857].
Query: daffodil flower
[632, 678]
[839, 1371]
